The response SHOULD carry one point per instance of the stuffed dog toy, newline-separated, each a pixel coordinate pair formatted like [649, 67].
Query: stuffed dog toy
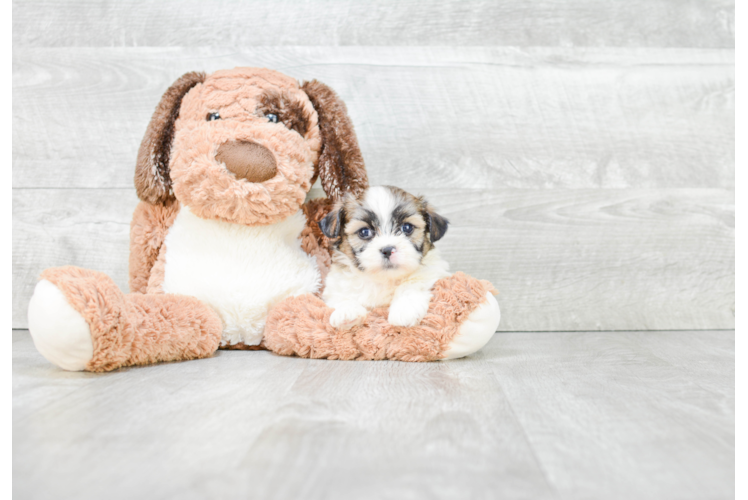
[225, 250]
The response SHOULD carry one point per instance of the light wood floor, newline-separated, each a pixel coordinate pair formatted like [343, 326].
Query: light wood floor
[588, 415]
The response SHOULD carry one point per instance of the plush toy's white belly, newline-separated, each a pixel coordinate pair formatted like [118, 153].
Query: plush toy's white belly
[238, 270]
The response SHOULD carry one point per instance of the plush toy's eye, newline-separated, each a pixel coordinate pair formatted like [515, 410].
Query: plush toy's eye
[213, 116]
[407, 228]
[365, 233]
[272, 117]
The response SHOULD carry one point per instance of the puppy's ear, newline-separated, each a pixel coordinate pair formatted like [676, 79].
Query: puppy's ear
[332, 224]
[340, 166]
[437, 224]
[152, 179]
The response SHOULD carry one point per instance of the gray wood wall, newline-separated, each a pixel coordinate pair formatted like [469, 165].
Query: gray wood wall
[583, 149]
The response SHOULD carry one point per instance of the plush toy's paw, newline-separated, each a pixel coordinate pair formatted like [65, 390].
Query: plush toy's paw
[462, 317]
[59, 332]
[80, 320]
[347, 316]
[476, 331]
[409, 309]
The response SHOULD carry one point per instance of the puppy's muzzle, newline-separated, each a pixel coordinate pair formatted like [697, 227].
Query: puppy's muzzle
[387, 251]
[247, 160]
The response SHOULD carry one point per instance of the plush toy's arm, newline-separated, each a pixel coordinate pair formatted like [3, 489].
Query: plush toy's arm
[148, 228]
[313, 242]
[462, 317]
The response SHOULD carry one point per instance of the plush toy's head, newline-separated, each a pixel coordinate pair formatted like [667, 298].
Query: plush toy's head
[245, 146]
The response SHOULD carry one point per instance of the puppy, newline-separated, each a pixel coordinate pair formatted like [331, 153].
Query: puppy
[383, 255]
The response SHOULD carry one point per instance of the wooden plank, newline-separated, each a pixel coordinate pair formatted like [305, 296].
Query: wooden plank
[425, 117]
[647, 415]
[590, 415]
[638, 23]
[630, 259]
[232, 425]
[424, 431]
[598, 259]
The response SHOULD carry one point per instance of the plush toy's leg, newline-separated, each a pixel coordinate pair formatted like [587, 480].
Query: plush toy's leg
[476, 330]
[462, 317]
[80, 320]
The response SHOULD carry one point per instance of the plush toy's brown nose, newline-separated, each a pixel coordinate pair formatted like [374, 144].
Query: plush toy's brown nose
[247, 160]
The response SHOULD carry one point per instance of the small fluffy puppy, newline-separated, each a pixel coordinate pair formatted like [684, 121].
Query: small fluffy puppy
[383, 254]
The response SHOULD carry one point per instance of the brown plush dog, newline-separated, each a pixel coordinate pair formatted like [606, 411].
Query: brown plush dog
[224, 249]
[248, 145]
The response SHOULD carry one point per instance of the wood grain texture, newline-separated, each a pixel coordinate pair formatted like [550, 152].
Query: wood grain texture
[425, 117]
[598, 259]
[639, 23]
[629, 259]
[646, 415]
[625, 415]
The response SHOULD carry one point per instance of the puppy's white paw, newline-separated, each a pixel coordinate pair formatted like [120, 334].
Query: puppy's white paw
[409, 310]
[347, 316]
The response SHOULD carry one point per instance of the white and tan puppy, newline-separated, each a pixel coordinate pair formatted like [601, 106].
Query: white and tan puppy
[383, 255]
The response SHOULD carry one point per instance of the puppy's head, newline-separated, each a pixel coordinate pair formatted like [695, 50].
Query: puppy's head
[384, 230]
[245, 146]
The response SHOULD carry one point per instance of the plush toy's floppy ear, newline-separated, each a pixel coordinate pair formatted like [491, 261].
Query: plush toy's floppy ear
[152, 179]
[341, 167]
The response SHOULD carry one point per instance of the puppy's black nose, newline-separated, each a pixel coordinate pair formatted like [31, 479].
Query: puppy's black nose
[387, 251]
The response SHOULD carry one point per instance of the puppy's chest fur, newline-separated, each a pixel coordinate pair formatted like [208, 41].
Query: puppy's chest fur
[344, 283]
[240, 271]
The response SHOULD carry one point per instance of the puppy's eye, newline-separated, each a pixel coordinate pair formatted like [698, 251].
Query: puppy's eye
[213, 116]
[407, 228]
[272, 117]
[365, 233]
